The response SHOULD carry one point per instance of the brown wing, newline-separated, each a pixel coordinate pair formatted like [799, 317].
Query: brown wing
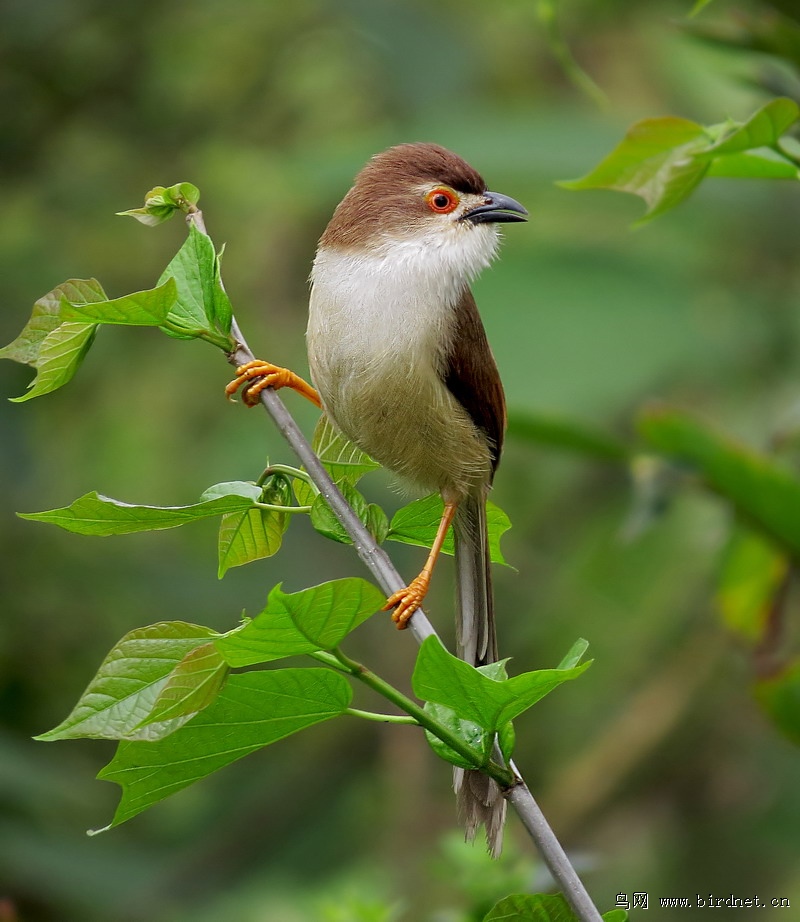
[471, 375]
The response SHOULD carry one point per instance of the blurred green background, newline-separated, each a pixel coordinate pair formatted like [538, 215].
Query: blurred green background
[656, 768]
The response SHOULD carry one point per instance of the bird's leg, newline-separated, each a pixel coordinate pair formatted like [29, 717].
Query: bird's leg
[406, 601]
[254, 377]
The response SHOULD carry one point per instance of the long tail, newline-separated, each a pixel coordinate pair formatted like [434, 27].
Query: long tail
[479, 799]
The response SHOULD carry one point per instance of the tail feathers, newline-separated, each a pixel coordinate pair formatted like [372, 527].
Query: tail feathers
[476, 641]
[480, 801]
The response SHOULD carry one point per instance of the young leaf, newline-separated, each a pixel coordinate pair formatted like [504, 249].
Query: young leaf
[55, 348]
[253, 710]
[255, 533]
[761, 489]
[418, 522]
[201, 304]
[142, 308]
[779, 697]
[444, 679]
[162, 202]
[753, 570]
[313, 619]
[129, 681]
[95, 514]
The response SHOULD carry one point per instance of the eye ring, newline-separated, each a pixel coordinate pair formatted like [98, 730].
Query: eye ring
[442, 200]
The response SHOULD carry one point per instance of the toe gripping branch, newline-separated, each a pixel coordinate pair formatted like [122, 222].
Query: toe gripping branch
[254, 377]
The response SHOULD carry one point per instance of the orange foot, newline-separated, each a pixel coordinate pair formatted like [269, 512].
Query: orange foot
[256, 376]
[406, 601]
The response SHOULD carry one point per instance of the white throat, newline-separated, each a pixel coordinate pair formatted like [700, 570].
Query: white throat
[398, 292]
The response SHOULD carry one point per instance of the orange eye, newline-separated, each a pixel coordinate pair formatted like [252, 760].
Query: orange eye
[442, 200]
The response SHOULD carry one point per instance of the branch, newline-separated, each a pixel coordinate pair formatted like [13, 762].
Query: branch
[381, 567]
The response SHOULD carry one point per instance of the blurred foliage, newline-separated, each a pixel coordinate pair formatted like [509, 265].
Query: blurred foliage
[664, 776]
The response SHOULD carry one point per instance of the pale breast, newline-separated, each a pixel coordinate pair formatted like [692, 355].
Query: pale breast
[377, 335]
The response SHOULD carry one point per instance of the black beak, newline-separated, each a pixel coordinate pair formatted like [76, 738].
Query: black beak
[498, 209]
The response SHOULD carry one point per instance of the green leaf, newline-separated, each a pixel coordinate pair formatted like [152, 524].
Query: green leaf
[162, 202]
[304, 492]
[541, 907]
[55, 348]
[470, 733]
[418, 522]
[60, 356]
[255, 533]
[95, 514]
[253, 710]
[342, 459]
[221, 309]
[656, 161]
[143, 308]
[313, 619]
[663, 159]
[779, 697]
[244, 488]
[566, 434]
[201, 304]
[762, 129]
[762, 490]
[326, 523]
[574, 655]
[191, 686]
[753, 570]
[444, 679]
[129, 681]
[46, 316]
[754, 164]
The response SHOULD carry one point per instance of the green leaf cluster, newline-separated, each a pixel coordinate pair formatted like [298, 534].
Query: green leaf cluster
[662, 160]
[189, 302]
[255, 515]
[167, 694]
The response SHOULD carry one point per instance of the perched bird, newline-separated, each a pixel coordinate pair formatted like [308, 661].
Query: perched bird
[402, 366]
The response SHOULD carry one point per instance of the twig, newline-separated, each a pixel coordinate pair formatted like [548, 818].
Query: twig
[378, 563]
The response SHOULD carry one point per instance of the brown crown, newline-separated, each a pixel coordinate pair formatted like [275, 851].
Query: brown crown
[379, 201]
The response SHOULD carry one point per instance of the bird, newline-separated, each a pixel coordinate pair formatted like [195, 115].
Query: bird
[401, 364]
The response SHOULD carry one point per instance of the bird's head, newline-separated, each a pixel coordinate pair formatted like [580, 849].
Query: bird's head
[422, 197]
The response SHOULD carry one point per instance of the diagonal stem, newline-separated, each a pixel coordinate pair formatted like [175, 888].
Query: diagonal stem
[378, 563]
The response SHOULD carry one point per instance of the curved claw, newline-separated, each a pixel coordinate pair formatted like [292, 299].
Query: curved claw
[406, 601]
